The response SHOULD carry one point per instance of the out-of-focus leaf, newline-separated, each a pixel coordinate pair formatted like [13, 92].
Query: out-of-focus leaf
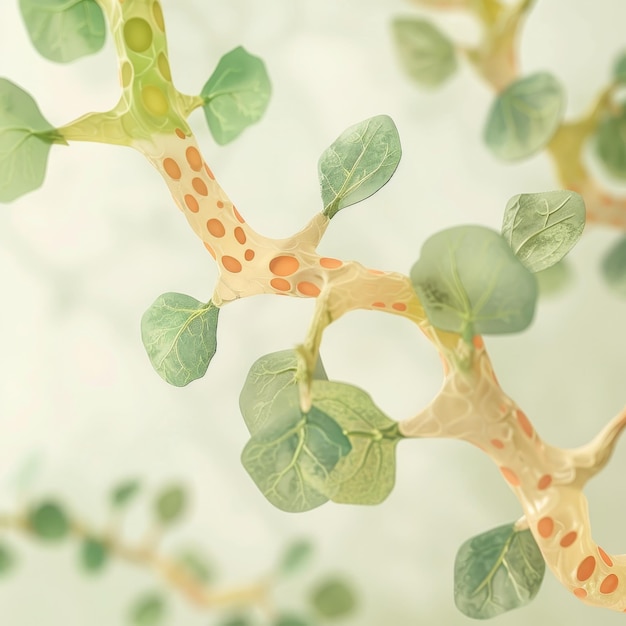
[94, 555]
[148, 610]
[333, 598]
[170, 504]
[48, 521]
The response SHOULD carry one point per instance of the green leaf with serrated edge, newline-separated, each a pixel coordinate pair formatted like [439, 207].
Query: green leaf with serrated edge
[291, 620]
[148, 610]
[619, 69]
[296, 556]
[7, 560]
[426, 54]
[25, 140]
[268, 376]
[614, 267]
[123, 493]
[236, 95]
[609, 143]
[524, 117]
[333, 598]
[358, 163]
[470, 282]
[196, 565]
[180, 337]
[497, 571]
[170, 504]
[367, 474]
[94, 554]
[292, 456]
[542, 228]
[555, 279]
[63, 31]
[48, 521]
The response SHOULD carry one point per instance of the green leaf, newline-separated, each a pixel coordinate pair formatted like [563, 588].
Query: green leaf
[94, 554]
[542, 228]
[497, 571]
[48, 521]
[426, 54]
[196, 565]
[124, 493]
[358, 163]
[614, 267]
[148, 610]
[291, 457]
[297, 555]
[333, 598]
[170, 504]
[470, 282]
[291, 620]
[609, 143]
[236, 95]
[180, 337]
[524, 117]
[619, 69]
[236, 620]
[63, 31]
[367, 474]
[555, 279]
[268, 376]
[7, 560]
[25, 140]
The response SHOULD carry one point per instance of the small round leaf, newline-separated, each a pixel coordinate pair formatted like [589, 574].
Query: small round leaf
[124, 493]
[297, 555]
[333, 598]
[614, 267]
[48, 521]
[148, 610]
[610, 144]
[170, 504]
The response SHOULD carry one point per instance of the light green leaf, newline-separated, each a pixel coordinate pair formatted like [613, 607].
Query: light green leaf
[291, 620]
[148, 610]
[236, 95]
[614, 267]
[25, 140]
[63, 30]
[524, 117]
[7, 560]
[292, 456]
[333, 598]
[170, 504]
[358, 163]
[426, 54]
[196, 565]
[297, 555]
[124, 493]
[555, 279]
[609, 143]
[367, 474]
[497, 571]
[268, 376]
[180, 337]
[94, 554]
[470, 282]
[542, 228]
[48, 521]
[619, 69]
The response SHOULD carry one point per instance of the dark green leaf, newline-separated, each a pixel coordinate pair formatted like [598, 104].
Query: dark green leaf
[149, 610]
[426, 54]
[180, 337]
[63, 30]
[48, 521]
[93, 554]
[291, 457]
[358, 163]
[333, 598]
[196, 565]
[297, 555]
[555, 279]
[170, 504]
[470, 282]
[124, 493]
[497, 571]
[291, 620]
[524, 117]
[236, 95]
[614, 267]
[267, 377]
[7, 560]
[25, 140]
[542, 228]
[610, 144]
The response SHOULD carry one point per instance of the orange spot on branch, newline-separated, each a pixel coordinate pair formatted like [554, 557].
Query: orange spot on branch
[330, 263]
[545, 527]
[308, 289]
[280, 284]
[586, 568]
[231, 264]
[510, 476]
[194, 159]
[284, 265]
[609, 584]
[192, 203]
[568, 539]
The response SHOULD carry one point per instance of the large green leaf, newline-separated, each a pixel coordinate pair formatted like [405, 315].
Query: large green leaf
[236, 95]
[48, 521]
[542, 228]
[333, 598]
[25, 140]
[179, 334]
[614, 267]
[426, 54]
[64, 30]
[291, 457]
[497, 571]
[524, 117]
[470, 282]
[610, 144]
[358, 163]
[367, 474]
[268, 376]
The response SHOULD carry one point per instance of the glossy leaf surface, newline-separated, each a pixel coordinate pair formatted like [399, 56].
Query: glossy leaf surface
[358, 163]
[236, 95]
[542, 228]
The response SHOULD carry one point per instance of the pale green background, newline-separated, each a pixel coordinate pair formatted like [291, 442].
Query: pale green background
[83, 257]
